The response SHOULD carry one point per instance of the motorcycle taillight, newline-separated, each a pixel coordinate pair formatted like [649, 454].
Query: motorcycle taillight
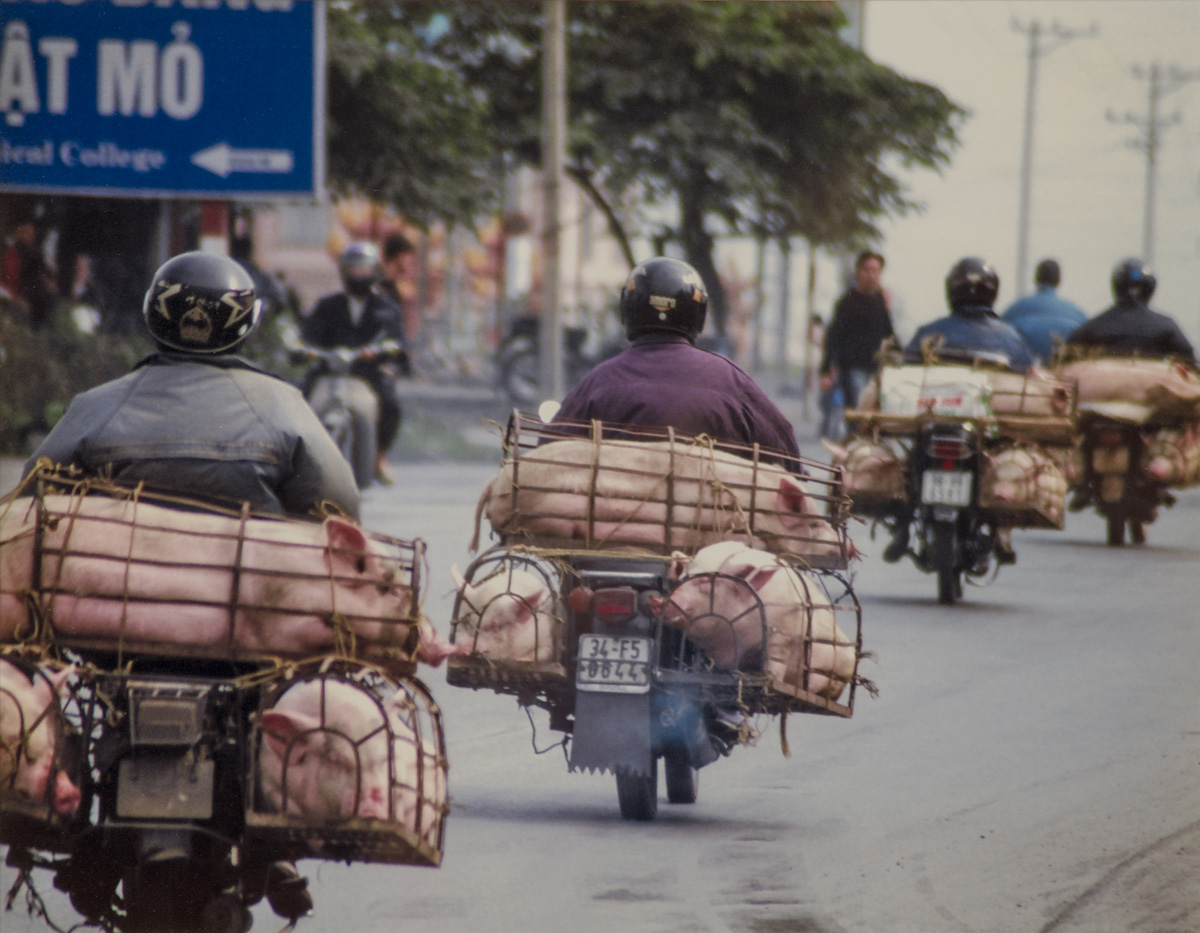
[942, 447]
[615, 604]
[1110, 437]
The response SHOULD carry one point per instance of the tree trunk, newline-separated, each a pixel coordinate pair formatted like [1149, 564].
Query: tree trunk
[698, 247]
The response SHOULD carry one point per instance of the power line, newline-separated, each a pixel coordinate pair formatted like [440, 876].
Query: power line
[1055, 37]
[1161, 83]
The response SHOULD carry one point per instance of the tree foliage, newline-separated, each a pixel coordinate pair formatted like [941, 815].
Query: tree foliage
[750, 117]
[403, 129]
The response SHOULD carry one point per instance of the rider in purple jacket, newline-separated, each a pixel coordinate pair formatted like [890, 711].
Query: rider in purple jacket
[662, 379]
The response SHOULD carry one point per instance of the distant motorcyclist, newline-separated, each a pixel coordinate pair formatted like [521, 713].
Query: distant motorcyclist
[355, 317]
[972, 327]
[971, 330]
[1044, 315]
[663, 379]
[196, 419]
[1130, 327]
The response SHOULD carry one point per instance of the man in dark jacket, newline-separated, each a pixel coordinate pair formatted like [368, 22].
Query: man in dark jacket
[662, 379]
[972, 329]
[861, 322]
[194, 418]
[355, 317]
[1129, 327]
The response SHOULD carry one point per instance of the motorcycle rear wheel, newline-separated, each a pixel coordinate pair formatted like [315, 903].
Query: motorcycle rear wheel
[637, 794]
[683, 781]
[945, 558]
[1116, 530]
[164, 896]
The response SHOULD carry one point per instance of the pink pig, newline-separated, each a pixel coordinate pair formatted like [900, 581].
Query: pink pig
[1172, 455]
[295, 581]
[334, 740]
[656, 494]
[870, 471]
[29, 737]
[508, 616]
[419, 789]
[348, 755]
[722, 615]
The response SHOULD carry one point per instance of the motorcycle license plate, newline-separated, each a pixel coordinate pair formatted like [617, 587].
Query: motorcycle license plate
[1110, 460]
[608, 664]
[946, 487]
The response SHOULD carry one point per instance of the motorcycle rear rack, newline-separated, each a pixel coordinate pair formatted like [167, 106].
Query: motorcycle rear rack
[545, 685]
[356, 840]
[532, 683]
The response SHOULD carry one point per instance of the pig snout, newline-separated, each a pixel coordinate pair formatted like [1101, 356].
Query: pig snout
[1160, 469]
[66, 795]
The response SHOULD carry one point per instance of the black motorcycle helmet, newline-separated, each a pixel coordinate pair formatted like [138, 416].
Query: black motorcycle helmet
[359, 268]
[972, 281]
[664, 294]
[1132, 279]
[201, 303]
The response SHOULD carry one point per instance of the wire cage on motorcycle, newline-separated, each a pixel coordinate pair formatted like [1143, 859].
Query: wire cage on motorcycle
[39, 760]
[509, 610]
[98, 566]
[580, 486]
[791, 652]
[349, 764]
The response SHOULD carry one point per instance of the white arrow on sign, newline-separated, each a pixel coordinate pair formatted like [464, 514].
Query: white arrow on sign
[222, 159]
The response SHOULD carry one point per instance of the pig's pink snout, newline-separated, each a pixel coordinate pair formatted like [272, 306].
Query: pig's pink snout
[374, 804]
[1159, 469]
[66, 795]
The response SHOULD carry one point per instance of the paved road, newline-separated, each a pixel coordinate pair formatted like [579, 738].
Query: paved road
[1031, 764]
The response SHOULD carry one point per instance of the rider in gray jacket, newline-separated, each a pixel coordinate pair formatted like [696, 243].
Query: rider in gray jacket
[195, 419]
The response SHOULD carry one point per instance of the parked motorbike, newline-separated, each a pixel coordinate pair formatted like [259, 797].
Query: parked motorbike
[1114, 479]
[519, 359]
[345, 401]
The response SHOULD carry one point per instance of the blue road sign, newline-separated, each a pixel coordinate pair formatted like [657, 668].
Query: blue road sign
[220, 99]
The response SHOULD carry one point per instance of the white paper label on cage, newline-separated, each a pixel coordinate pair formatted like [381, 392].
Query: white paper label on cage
[940, 390]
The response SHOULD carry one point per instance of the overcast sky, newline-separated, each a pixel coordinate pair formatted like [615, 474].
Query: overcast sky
[1088, 187]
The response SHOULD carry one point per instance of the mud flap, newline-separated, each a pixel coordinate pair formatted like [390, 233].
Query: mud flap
[612, 731]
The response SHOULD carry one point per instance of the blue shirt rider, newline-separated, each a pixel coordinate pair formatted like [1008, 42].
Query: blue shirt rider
[1044, 315]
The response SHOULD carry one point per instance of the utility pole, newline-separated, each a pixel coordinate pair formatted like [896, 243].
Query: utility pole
[1161, 84]
[554, 120]
[1057, 36]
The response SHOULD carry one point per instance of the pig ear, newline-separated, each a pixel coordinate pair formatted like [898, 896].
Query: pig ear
[790, 497]
[756, 575]
[460, 582]
[679, 563]
[280, 728]
[839, 452]
[58, 679]
[347, 543]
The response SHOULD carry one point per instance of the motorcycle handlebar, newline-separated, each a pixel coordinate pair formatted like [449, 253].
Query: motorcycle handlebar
[382, 351]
